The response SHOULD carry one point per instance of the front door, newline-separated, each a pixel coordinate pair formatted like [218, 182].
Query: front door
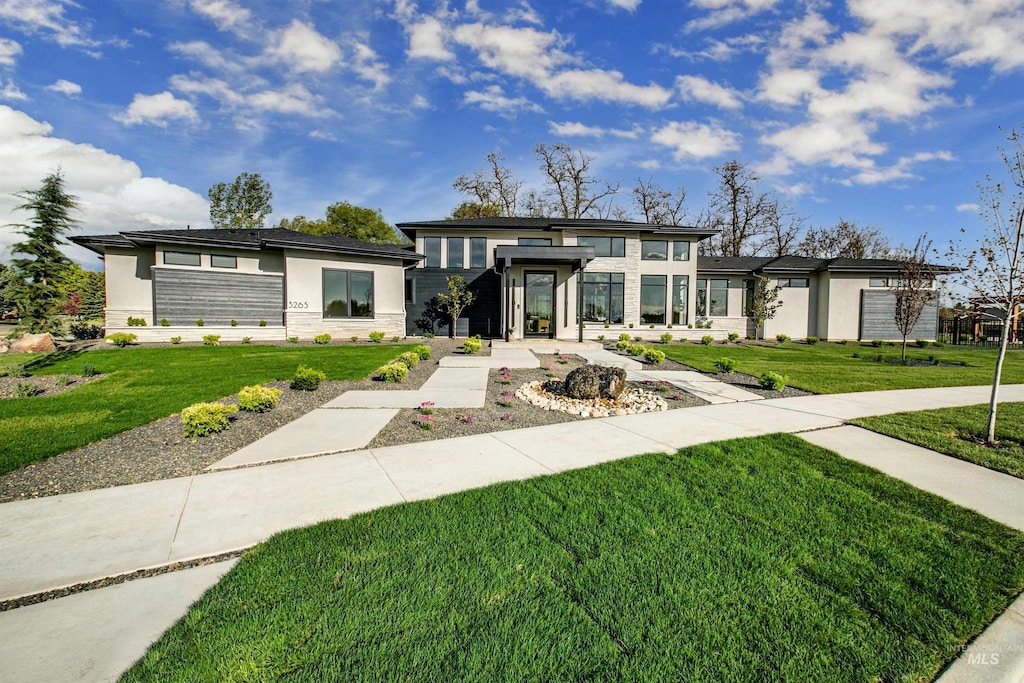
[539, 307]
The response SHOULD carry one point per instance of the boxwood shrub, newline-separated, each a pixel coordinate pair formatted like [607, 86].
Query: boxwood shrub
[393, 372]
[773, 381]
[211, 340]
[258, 398]
[307, 379]
[654, 356]
[423, 351]
[322, 339]
[472, 345]
[410, 359]
[121, 339]
[203, 419]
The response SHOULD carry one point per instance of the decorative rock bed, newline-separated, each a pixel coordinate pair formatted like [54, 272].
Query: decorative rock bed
[550, 395]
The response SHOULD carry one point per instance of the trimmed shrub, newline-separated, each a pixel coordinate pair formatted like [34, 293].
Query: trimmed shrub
[88, 370]
[651, 326]
[410, 359]
[638, 338]
[234, 323]
[18, 370]
[175, 340]
[726, 365]
[211, 340]
[136, 322]
[631, 326]
[773, 381]
[734, 336]
[83, 330]
[121, 339]
[203, 419]
[654, 356]
[841, 342]
[354, 337]
[877, 343]
[600, 337]
[164, 322]
[293, 340]
[782, 338]
[307, 379]
[666, 338]
[396, 338]
[707, 340]
[247, 340]
[623, 344]
[376, 337]
[472, 345]
[25, 390]
[63, 380]
[423, 351]
[625, 336]
[200, 322]
[263, 323]
[393, 372]
[258, 398]
[636, 349]
[322, 339]
[812, 340]
[922, 343]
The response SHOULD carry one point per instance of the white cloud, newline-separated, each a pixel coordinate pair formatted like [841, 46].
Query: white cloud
[576, 129]
[427, 40]
[604, 85]
[724, 12]
[225, 14]
[113, 192]
[494, 99]
[700, 89]
[898, 171]
[968, 208]
[157, 110]
[9, 51]
[689, 139]
[66, 87]
[46, 17]
[628, 5]
[11, 92]
[368, 66]
[420, 102]
[207, 55]
[302, 48]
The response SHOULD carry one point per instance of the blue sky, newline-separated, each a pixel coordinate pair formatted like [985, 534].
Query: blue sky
[880, 112]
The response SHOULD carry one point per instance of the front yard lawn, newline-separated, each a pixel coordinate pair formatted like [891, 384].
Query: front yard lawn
[828, 368]
[960, 432]
[753, 559]
[146, 384]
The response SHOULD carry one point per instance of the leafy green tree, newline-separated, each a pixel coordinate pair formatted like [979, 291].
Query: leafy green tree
[348, 220]
[764, 304]
[242, 205]
[455, 300]
[5, 276]
[475, 210]
[35, 287]
[83, 292]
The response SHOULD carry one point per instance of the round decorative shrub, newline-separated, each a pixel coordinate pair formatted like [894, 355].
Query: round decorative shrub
[293, 340]
[258, 398]
[121, 339]
[175, 340]
[423, 351]
[707, 340]
[234, 323]
[636, 349]
[200, 322]
[625, 336]
[164, 322]
[666, 338]
[773, 381]
[733, 336]
[922, 343]
[726, 365]
[203, 419]
[472, 345]
[376, 337]
[263, 323]
[136, 322]
[623, 344]
[211, 340]
[88, 370]
[410, 359]
[654, 356]
[322, 339]
[811, 341]
[84, 330]
[393, 372]
[782, 338]
[307, 379]
[247, 340]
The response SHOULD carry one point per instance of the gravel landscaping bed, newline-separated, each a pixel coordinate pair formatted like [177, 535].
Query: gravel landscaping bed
[45, 385]
[738, 379]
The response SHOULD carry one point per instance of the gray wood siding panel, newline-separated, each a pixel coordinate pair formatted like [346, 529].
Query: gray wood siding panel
[182, 296]
[877, 317]
[482, 317]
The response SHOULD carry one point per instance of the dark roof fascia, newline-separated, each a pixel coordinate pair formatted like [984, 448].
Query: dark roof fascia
[409, 256]
[157, 237]
[507, 254]
[99, 243]
[552, 224]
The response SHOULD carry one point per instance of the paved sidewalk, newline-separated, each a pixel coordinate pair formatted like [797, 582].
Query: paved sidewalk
[702, 386]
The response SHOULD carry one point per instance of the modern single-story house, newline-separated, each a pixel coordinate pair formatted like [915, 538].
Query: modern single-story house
[533, 277]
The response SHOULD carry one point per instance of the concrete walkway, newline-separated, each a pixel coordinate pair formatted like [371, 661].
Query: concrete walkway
[701, 386]
[62, 540]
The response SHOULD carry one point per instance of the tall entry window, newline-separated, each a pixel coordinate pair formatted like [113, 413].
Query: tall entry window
[602, 297]
[680, 295]
[347, 293]
[719, 297]
[539, 306]
[652, 299]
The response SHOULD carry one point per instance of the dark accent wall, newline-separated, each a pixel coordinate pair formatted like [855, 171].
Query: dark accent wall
[482, 317]
[182, 296]
[877, 317]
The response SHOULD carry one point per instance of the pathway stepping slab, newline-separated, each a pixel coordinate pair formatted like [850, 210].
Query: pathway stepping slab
[701, 386]
[96, 635]
[465, 379]
[572, 445]
[315, 433]
[442, 398]
[499, 358]
[609, 359]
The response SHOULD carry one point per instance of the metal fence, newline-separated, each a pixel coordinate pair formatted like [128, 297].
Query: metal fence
[974, 332]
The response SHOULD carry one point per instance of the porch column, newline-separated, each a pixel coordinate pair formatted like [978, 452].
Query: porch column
[579, 301]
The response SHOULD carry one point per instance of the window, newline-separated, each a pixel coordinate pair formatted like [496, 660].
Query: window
[680, 294]
[654, 250]
[602, 297]
[432, 250]
[718, 297]
[456, 252]
[680, 251]
[879, 282]
[702, 298]
[221, 261]
[604, 246]
[749, 286]
[535, 241]
[348, 293]
[181, 258]
[652, 299]
[477, 252]
[794, 282]
[410, 291]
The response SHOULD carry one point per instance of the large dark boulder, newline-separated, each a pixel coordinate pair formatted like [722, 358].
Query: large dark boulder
[593, 381]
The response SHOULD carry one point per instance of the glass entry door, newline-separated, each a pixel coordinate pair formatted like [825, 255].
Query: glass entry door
[539, 307]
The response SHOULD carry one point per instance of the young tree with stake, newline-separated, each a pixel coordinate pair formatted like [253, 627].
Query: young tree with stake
[913, 288]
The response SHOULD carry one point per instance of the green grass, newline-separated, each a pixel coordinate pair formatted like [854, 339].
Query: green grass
[951, 430]
[755, 559]
[831, 368]
[146, 384]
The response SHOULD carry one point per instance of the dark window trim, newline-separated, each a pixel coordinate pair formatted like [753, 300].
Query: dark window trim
[674, 243]
[616, 246]
[615, 282]
[348, 293]
[788, 282]
[645, 257]
[461, 252]
[534, 242]
[662, 284]
[199, 258]
[474, 241]
[214, 257]
[684, 303]
[426, 252]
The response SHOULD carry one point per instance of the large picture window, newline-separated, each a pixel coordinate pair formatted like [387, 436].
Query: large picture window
[602, 297]
[181, 258]
[652, 299]
[477, 252]
[654, 250]
[712, 298]
[604, 246]
[348, 293]
[456, 252]
[680, 296]
[432, 250]
[680, 251]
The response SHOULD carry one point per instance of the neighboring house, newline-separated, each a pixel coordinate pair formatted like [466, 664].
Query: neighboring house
[534, 278]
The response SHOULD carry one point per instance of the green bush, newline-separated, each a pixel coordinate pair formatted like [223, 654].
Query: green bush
[600, 337]
[733, 336]
[121, 339]
[638, 338]
[651, 326]
[307, 379]
[136, 322]
[84, 330]
[258, 398]
[293, 340]
[322, 339]
[666, 338]
[200, 322]
[203, 419]
[263, 323]
[25, 390]
[376, 337]
[18, 370]
[841, 342]
[234, 323]
[812, 340]
[88, 370]
[63, 380]
[922, 343]
[654, 356]
[247, 340]
[726, 365]
[623, 344]
[211, 340]
[877, 343]
[393, 372]
[782, 338]
[636, 349]
[773, 381]
[707, 340]
[175, 340]
[354, 337]
[410, 359]
[396, 338]
[625, 336]
[472, 345]
[423, 351]
[631, 326]
[164, 322]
